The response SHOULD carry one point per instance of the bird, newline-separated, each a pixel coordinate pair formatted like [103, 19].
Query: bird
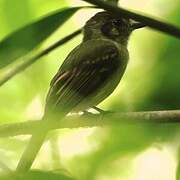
[88, 75]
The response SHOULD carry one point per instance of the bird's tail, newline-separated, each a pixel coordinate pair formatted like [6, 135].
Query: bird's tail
[31, 151]
[36, 142]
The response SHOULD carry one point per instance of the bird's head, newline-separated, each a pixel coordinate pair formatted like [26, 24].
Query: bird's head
[110, 26]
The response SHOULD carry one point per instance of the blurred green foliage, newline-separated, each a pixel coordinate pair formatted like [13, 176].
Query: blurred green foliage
[151, 82]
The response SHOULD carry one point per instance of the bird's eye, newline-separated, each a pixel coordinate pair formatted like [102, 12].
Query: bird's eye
[110, 30]
[106, 28]
[117, 23]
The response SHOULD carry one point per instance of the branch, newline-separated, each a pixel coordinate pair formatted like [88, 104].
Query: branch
[112, 1]
[33, 59]
[91, 120]
[148, 21]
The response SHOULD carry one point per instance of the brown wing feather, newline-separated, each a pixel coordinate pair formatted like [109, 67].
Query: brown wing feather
[70, 87]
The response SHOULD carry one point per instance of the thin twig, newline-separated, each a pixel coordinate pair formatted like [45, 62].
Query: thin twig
[92, 120]
[148, 21]
[28, 62]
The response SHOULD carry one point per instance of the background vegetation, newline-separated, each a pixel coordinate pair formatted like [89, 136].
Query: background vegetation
[151, 82]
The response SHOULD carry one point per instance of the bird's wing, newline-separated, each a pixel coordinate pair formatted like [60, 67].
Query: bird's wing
[83, 72]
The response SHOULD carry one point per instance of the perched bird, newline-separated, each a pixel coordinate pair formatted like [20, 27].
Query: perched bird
[89, 74]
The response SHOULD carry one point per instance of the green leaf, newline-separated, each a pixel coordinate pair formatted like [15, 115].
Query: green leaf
[27, 38]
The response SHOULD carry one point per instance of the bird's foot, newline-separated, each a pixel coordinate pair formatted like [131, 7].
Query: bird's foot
[101, 111]
[87, 113]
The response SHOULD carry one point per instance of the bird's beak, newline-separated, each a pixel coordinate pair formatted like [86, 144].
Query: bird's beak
[137, 25]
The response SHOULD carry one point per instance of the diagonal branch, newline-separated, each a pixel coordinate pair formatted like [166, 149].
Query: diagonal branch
[148, 21]
[91, 120]
[31, 60]
[113, 1]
